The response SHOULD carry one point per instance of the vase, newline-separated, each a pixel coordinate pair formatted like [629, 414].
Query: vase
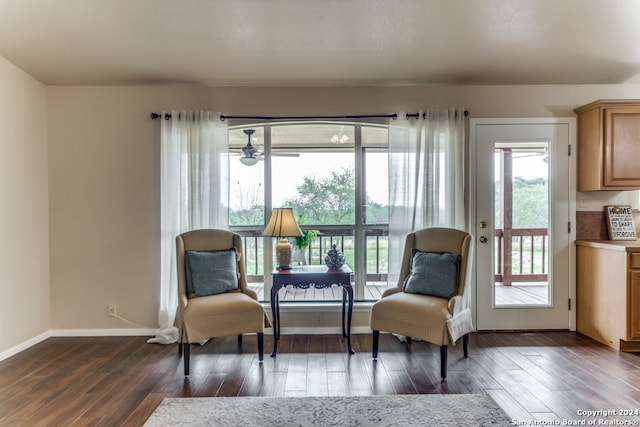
[334, 258]
[298, 256]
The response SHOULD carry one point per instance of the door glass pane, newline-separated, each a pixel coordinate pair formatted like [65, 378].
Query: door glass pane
[521, 206]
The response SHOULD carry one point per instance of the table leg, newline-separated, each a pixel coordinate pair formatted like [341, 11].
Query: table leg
[344, 303]
[275, 314]
[349, 290]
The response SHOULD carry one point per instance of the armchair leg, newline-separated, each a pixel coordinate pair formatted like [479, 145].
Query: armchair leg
[187, 354]
[443, 362]
[376, 339]
[239, 340]
[179, 349]
[260, 346]
[465, 344]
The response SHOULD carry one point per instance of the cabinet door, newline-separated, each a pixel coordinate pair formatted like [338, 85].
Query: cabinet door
[622, 147]
[633, 306]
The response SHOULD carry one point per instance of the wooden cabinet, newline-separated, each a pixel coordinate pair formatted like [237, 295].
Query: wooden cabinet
[608, 292]
[609, 145]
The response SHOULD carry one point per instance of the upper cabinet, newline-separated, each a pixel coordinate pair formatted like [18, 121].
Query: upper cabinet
[609, 145]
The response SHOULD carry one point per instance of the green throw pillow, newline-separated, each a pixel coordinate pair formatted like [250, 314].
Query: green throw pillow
[434, 274]
[212, 272]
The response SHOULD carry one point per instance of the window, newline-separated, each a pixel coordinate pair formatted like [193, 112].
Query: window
[335, 177]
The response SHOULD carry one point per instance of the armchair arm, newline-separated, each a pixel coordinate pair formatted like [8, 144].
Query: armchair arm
[250, 292]
[456, 305]
[183, 301]
[390, 291]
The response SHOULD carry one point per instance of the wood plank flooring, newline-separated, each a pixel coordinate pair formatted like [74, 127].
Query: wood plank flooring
[109, 381]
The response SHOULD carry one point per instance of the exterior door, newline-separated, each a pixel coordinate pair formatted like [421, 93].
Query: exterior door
[523, 219]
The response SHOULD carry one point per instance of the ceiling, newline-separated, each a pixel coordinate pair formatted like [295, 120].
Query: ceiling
[322, 42]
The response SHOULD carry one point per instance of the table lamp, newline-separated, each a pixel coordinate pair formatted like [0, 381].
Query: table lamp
[283, 224]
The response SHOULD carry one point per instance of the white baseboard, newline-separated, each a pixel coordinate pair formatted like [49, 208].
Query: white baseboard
[127, 332]
[24, 345]
[124, 332]
[318, 330]
[131, 332]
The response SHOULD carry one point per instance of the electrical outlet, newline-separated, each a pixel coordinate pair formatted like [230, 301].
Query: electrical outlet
[318, 319]
[111, 310]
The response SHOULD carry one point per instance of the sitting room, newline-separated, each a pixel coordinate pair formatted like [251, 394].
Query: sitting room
[405, 204]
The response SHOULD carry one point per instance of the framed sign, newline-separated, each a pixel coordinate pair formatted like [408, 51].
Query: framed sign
[620, 222]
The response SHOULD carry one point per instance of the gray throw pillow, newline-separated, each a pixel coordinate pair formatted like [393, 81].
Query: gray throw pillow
[434, 274]
[212, 272]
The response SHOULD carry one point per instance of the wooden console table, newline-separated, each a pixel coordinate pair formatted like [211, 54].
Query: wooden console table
[320, 277]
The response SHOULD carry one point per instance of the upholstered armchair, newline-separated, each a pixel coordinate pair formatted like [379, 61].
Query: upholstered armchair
[213, 297]
[431, 301]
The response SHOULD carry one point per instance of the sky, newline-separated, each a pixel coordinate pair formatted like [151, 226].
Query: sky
[289, 172]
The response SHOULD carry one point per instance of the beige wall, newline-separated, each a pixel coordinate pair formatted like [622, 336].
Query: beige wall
[24, 209]
[104, 172]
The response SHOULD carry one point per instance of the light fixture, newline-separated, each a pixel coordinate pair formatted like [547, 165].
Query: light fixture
[282, 224]
[251, 155]
[340, 138]
[248, 161]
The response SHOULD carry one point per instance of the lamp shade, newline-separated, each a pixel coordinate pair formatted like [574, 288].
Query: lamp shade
[282, 224]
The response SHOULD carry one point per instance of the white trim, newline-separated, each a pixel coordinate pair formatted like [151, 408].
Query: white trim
[24, 345]
[125, 332]
[134, 332]
[318, 330]
[571, 122]
[129, 332]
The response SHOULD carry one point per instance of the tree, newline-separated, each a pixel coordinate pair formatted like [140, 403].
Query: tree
[251, 209]
[327, 201]
[530, 203]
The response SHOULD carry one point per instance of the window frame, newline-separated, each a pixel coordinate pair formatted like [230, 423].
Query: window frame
[361, 230]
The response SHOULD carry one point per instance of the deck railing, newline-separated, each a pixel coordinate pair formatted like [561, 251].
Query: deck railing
[521, 255]
[376, 244]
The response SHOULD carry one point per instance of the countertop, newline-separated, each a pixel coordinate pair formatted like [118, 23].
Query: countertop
[621, 245]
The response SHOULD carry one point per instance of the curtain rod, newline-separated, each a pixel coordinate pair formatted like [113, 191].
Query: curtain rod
[393, 116]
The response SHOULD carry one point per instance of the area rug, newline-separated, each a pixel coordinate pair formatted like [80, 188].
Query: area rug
[399, 410]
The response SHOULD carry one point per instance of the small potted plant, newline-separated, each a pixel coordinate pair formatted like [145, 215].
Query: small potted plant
[302, 243]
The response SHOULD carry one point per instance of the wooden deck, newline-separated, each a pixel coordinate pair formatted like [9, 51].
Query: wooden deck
[372, 292]
[524, 294]
[516, 294]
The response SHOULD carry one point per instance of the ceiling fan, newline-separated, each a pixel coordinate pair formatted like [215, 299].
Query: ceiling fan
[250, 154]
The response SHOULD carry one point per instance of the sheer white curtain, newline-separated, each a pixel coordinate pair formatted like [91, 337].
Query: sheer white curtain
[194, 176]
[426, 176]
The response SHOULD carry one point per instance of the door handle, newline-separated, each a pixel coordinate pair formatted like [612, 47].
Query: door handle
[483, 239]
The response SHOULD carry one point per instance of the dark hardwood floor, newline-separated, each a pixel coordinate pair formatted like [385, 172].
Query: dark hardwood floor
[121, 380]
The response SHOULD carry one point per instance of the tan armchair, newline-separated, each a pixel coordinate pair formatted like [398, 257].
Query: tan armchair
[441, 321]
[227, 313]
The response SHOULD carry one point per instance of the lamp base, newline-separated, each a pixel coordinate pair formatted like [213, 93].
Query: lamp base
[283, 254]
